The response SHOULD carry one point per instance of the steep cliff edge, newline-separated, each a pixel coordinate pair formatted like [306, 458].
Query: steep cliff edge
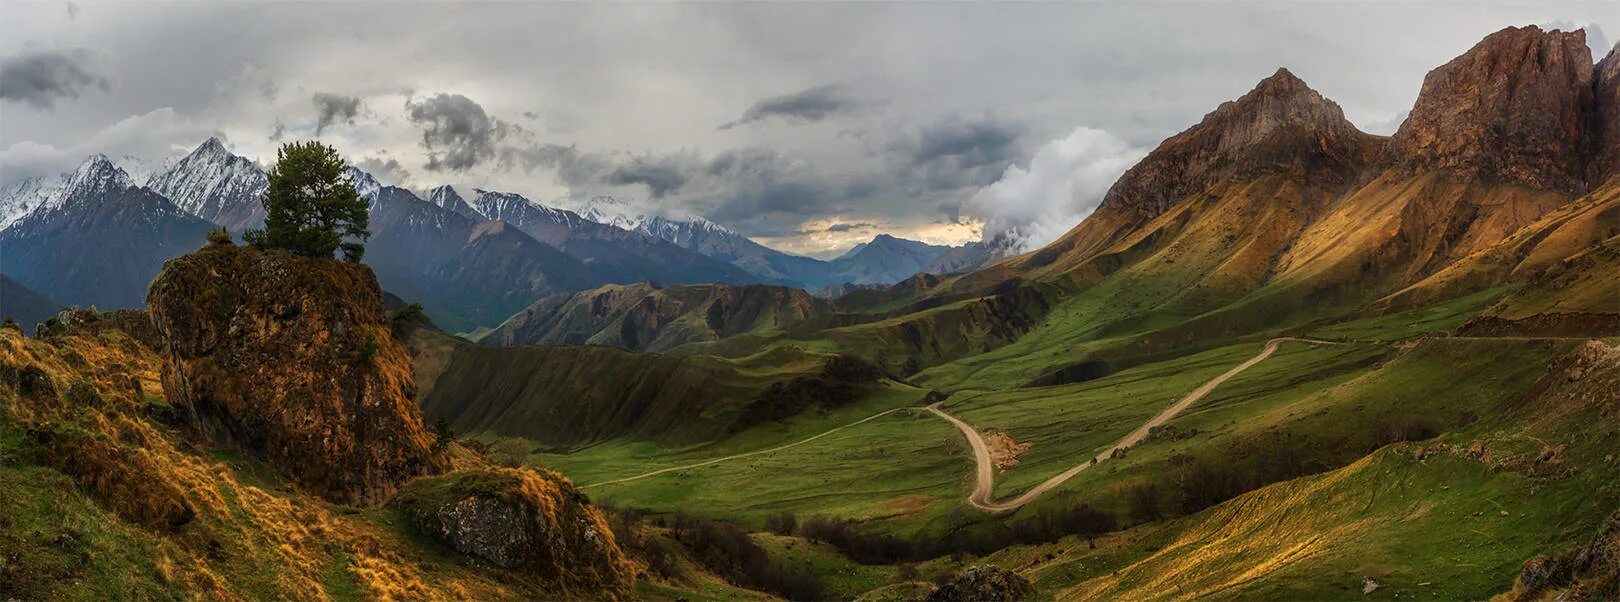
[1517, 107]
[291, 358]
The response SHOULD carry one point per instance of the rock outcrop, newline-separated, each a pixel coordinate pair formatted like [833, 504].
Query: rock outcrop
[537, 525]
[984, 584]
[291, 358]
[1517, 107]
[1280, 126]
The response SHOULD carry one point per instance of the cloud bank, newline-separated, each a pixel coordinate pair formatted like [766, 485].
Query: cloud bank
[1066, 179]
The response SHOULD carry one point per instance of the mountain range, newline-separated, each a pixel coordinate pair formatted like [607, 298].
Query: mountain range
[883, 260]
[471, 261]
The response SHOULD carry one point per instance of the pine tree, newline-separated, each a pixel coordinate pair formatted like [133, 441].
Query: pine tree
[311, 207]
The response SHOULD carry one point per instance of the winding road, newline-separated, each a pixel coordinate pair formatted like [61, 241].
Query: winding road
[984, 481]
[984, 484]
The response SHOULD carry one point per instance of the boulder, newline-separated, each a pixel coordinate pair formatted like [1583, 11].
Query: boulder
[984, 584]
[532, 523]
[291, 359]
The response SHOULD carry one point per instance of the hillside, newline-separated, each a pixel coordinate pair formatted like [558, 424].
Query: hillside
[23, 304]
[168, 468]
[645, 317]
[568, 396]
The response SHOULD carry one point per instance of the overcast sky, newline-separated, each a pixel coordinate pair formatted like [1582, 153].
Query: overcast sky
[807, 126]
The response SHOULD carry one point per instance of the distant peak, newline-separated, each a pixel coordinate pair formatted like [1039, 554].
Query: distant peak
[96, 175]
[211, 146]
[364, 185]
[444, 192]
[1284, 83]
[1279, 125]
[98, 168]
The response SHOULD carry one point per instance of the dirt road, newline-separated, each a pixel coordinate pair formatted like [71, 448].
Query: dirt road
[984, 481]
[984, 476]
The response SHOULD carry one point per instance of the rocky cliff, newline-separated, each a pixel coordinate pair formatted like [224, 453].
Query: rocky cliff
[1517, 107]
[1605, 161]
[1281, 126]
[291, 358]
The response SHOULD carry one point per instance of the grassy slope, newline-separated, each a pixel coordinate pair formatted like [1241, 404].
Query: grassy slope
[1451, 518]
[253, 536]
[1304, 390]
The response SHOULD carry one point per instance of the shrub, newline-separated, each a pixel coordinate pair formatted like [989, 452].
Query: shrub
[219, 237]
[782, 524]
[1144, 503]
[629, 530]
[510, 452]
[729, 552]
[406, 316]
[367, 349]
[442, 434]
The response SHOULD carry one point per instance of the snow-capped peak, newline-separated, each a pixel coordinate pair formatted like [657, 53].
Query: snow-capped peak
[212, 147]
[517, 210]
[97, 175]
[621, 213]
[213, 184]
[23, 196]
[365, 185]
[448, 199]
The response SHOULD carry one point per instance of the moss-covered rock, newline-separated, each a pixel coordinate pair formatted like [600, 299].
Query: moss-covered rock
[292, 358]
[521, 520]
[984, 584]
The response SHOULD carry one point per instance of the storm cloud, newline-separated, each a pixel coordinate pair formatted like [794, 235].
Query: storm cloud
[661, 175]
[41, 78]
[954, 152]
[456, 131]
[804, 106]
[334, 108]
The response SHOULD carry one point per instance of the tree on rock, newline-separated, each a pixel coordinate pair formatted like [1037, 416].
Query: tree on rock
[311, 207]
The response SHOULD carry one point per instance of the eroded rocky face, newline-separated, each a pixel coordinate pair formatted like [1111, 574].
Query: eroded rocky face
[291, 358]
[1281, 126]
[1516, 107]
[1606, 98]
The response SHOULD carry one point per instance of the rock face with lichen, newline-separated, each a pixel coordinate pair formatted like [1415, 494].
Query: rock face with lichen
[1517, 107]
[985, 584]
[535, 524]
[291, 358]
